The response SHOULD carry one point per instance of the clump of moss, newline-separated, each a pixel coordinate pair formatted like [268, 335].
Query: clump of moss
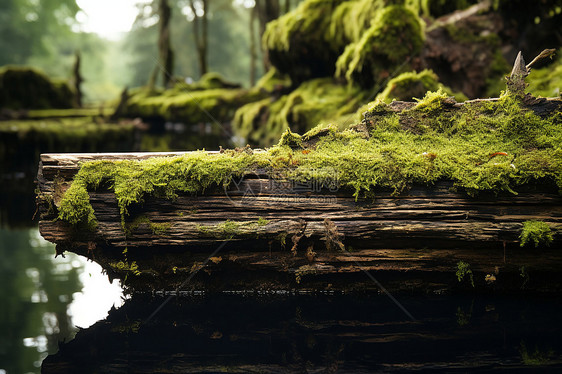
[160, 176]
[27, 88]
[230, 229]
[291, 139]
[157, 228]
[463, 270]
[316, 101]
[411, 85]
[273, 81]
[536, 357]
[351, 18]
[124, 266]
[536, 232]
[396, 34]
[432, 101]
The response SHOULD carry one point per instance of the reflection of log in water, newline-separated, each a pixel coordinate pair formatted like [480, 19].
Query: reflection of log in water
[317, 334]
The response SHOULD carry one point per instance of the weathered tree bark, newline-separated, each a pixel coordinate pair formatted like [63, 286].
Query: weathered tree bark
[253, 50]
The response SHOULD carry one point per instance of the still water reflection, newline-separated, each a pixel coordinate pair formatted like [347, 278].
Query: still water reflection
[45, 299]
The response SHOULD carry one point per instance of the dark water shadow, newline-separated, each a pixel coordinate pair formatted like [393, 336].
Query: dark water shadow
[318, 334]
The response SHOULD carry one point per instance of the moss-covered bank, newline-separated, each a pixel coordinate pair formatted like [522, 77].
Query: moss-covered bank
[27, 88]
[209, 100]
[481, 146]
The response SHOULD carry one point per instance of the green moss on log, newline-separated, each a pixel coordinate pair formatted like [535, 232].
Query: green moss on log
[537, 233]
[27, 88]
[480, 146]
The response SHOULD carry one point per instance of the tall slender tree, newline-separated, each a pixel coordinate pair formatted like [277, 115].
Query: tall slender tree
[253, 48]
[200, 10]
[267, 10]
[77, 79]
[165, 63]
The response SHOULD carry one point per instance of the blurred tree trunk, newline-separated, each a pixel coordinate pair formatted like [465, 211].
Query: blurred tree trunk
[267, 10]
[287, 6]
[77, 79]
[165, 53]
[253, 51]
[200, 33]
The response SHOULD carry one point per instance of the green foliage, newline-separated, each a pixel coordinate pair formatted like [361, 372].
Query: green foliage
[75, 208]
[396, 34]
[27, 88]
[536, 232]
[228, 43]
[432, 102]
[28, 28]
[463, 270]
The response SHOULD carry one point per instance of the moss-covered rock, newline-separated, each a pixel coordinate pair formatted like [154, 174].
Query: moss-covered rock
[299, 43]
[27, 88]
[396, 35]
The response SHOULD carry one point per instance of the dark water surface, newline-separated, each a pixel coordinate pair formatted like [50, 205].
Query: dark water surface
[318, 334]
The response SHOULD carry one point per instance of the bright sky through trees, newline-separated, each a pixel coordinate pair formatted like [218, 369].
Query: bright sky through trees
[108, 18]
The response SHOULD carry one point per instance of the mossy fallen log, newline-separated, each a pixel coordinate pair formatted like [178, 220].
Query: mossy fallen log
[429, 196]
